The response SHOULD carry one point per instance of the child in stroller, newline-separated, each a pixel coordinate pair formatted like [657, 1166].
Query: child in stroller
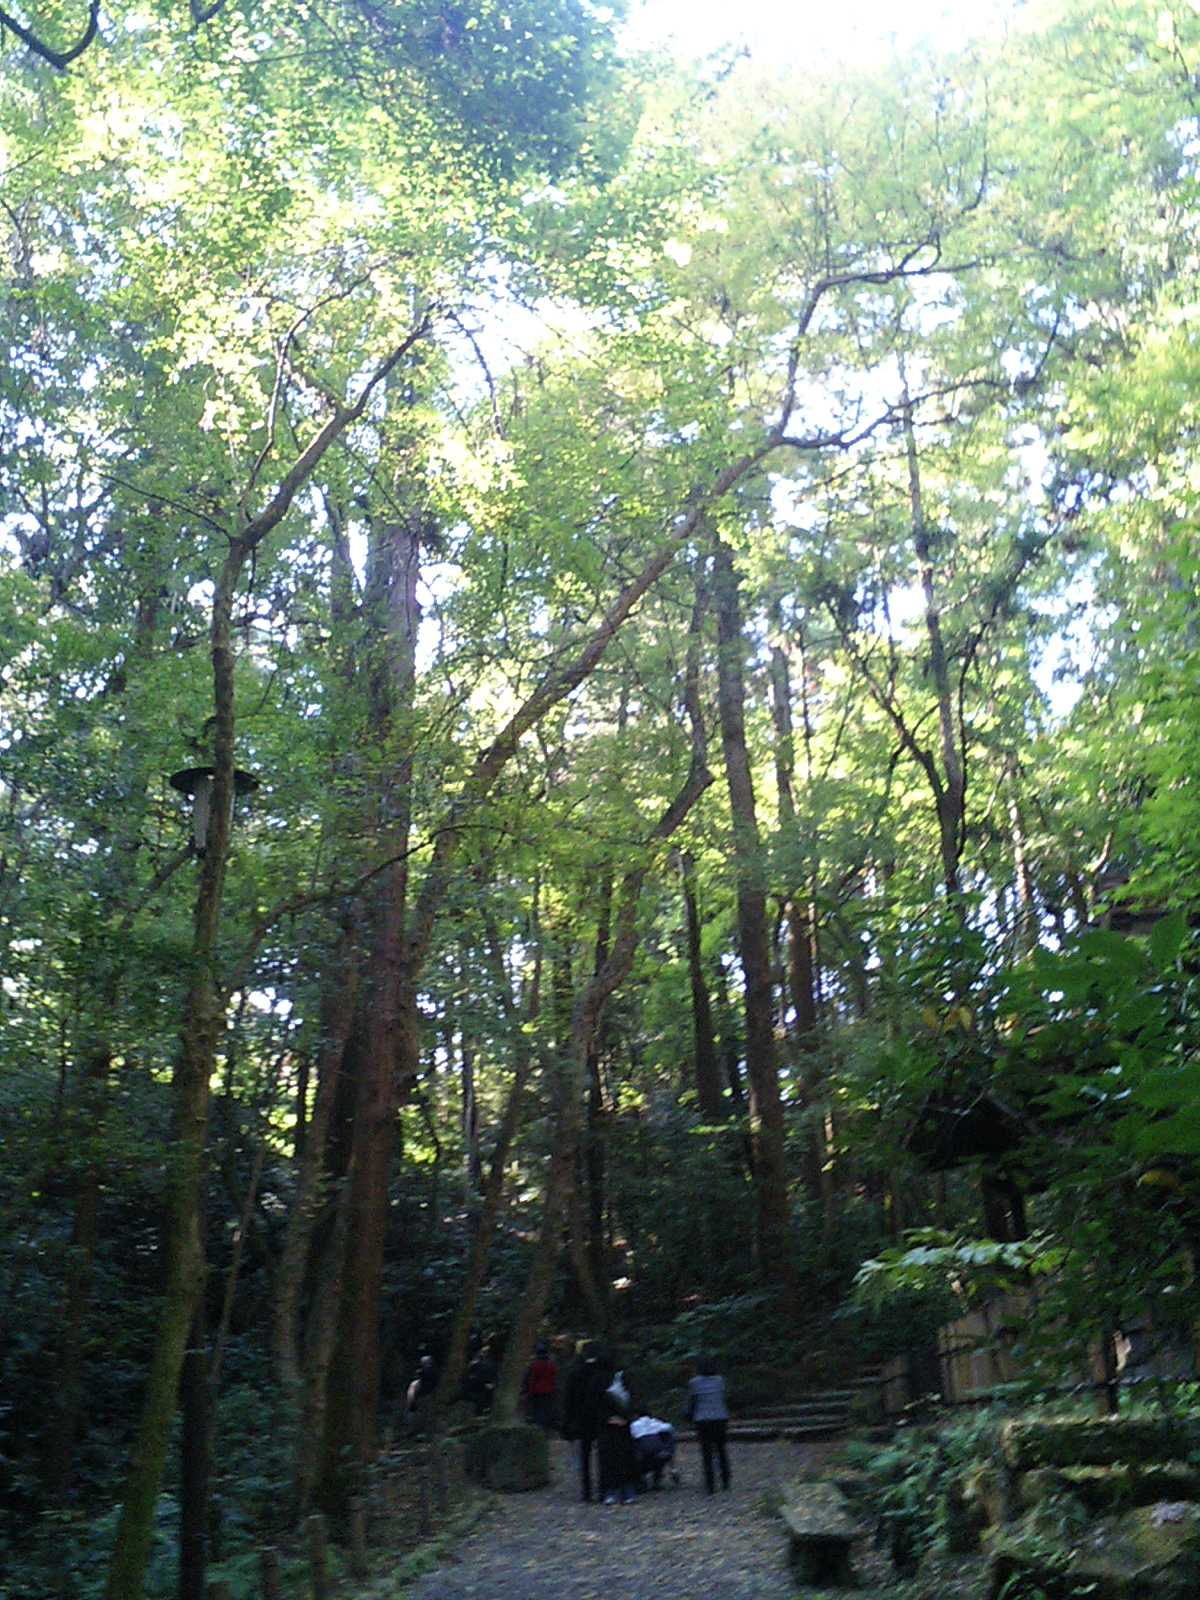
[654, 1449]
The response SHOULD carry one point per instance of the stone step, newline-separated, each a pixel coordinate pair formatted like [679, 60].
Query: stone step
[806, 1408]
[819, 1419]
[753, 1433]
[820, 1397]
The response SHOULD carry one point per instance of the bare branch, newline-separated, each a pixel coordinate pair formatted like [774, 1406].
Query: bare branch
[485, 369]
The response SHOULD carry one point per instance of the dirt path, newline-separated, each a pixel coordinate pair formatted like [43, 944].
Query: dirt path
[676, 1544]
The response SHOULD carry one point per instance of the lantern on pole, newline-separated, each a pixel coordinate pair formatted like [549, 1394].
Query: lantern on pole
[197, 784]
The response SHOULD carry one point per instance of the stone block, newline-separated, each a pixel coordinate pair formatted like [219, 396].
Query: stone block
[1148, 1551]
[1097, 1441]
[987, 1490]
[821, 1529]
[1104, 1489]
[512, 1457]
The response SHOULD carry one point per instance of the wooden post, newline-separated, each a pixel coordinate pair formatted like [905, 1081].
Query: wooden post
[318, 1555]
[268, 1573]
[359, 1565]
[424, 1507]
[392, 1497]
[441, 1478]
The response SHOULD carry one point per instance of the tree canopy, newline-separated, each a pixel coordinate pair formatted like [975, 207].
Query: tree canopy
[676, 589]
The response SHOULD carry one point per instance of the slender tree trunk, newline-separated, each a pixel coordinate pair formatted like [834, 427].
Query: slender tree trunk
[455, 1365]
[339, 993]
[535, 1296]
[203, 1015]
[195, 1462]
[472, 1159]
[951, 800]
[321, 1335]
[801, 970]
[77, 1289]
[338, 997]
[773, 1215]
[594, 1280]
[709, 1097]
[1025, 933]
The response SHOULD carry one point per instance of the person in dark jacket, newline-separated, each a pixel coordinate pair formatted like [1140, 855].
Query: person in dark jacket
[480, 1384]
[708, 1409]
[583, 1410]
[619, 1471]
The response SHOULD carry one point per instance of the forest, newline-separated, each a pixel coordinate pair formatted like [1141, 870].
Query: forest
[599, 724]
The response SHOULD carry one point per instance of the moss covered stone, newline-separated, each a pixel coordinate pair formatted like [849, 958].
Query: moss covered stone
[1097, 1442]
[987, 1492]
[1104, 1489]
[821, 1529]
[511, 1457]
[1148, 1551]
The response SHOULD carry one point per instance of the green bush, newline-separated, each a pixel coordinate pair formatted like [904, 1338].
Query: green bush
[904, 1484]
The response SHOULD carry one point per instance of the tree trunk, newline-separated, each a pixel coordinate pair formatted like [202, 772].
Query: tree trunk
[709, 1097]
[77, 1290]
[203, 1016]
[391, 1059]
[321, 1335]
[195, 1463]
[1025, 931]
[951, 797]
[455, 1365]
[594, 1281]
[338, 997]
[531, 1307]
[773, 1217]
[472, 1159]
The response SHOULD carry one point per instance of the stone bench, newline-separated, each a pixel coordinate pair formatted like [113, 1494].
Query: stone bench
[821, 1530]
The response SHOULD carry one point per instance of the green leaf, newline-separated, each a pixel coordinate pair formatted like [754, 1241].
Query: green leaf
[1178, 1135]
[1167, 939]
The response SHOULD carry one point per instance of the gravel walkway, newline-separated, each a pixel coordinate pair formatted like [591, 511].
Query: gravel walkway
[675, 1544]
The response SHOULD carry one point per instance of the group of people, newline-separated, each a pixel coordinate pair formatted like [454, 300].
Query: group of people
[479, 1382]
[602, 1414]
[633, 1449]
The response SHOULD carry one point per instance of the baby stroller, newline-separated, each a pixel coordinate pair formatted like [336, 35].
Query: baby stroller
[654, 1450]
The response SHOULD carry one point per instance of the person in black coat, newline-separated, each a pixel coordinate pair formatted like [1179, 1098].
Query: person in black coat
[619, 1474]
[583, 1407]
[480, 1383]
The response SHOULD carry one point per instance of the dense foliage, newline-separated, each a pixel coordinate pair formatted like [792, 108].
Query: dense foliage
[700, 568]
